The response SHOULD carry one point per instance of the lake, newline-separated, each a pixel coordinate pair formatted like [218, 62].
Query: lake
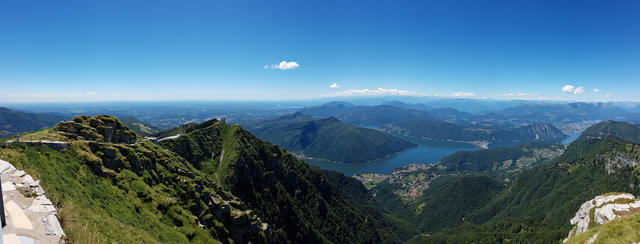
[427, 152]
[572, 137]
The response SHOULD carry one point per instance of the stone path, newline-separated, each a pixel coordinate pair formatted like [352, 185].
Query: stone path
[30, 219]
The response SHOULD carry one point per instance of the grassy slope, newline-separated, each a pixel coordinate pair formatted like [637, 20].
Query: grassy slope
[296, 199]
[97, 209]
[140, 193]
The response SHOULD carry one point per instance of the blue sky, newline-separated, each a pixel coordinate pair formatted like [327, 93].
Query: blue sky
[231, 50]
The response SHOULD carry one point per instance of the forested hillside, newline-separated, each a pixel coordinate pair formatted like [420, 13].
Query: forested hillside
[297, 200]
[445, 131]
[15, 122]
[328, 139]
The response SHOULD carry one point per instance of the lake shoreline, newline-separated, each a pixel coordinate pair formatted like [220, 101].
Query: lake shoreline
[426, 152]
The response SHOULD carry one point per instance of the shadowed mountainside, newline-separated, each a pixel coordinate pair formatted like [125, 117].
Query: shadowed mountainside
[328, 139]
[15, 122]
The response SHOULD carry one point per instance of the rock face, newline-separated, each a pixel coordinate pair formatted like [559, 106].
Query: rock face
[602, 209]
[619, 160]
[543, 131]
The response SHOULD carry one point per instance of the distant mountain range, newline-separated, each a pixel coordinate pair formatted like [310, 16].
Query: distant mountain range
[364, 115]
[445, 131]
[570, 117]
[16, 122]
[559, 113]
[328, 139]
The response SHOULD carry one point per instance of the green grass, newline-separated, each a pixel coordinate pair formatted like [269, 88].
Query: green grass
[130, 193]
[101, 207]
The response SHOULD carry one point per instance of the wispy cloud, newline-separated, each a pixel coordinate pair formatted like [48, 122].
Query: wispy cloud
[334, 85]
[91, 93]
[462, 94]
[284, 65]
[519, 95]
[569, 89]
[596, 90]
[375, 92]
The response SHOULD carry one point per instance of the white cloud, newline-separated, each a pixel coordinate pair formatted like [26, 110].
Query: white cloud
[334, 85]
[607, 96]
[375, 92]
[519, 94]
[91, 93]
[596, 90]
[462, 94]
[284, 65]
[569, 89]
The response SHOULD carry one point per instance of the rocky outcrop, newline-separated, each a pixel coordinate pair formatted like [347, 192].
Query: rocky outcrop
[619, 160]
[601, 210]
[103, 128]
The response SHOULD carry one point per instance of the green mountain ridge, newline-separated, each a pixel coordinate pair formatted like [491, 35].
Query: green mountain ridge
[445, 131]
[295, 199]
[15, 122]
[622, 130]
[328, 139]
